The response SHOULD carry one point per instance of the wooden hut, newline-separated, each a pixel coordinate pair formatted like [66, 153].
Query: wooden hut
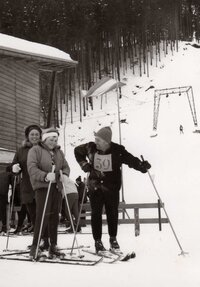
[20, 64]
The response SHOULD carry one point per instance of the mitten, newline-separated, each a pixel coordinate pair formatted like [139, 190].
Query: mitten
[87, 167]
[16, 168]
[145, 165]
[51, 176]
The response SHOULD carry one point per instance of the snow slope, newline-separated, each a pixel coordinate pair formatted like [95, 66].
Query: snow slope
[175, 168]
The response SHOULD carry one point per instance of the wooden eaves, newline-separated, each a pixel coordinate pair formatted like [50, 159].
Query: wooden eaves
[47, 63]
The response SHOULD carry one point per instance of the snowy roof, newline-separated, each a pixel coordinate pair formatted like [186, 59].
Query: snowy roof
[46, 56]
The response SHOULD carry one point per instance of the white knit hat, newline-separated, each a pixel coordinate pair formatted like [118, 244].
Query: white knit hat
[51, 132]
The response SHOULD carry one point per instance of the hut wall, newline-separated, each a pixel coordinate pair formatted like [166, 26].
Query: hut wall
[19, 101]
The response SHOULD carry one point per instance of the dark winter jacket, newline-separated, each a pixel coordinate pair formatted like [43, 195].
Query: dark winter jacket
[26, 191]
[107, 180]
[40, 163]
[5, 180]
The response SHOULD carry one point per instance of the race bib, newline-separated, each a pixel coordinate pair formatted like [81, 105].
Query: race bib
[103, 162]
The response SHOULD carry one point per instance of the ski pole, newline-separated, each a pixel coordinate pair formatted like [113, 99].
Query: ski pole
[161, 202]
[69, 211]
[43, 215]
[80, 211]
[11, 211]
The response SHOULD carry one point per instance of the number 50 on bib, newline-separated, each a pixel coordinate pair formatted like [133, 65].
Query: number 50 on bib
[103, 162]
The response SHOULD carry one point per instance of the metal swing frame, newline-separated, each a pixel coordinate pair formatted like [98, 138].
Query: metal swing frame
[173, 91]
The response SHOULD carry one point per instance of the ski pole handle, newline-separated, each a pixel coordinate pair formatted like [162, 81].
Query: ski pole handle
[53, 168]
[50, 179]
[61, 175]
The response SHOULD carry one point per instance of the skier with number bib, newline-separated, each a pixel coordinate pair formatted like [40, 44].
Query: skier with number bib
[103, 159]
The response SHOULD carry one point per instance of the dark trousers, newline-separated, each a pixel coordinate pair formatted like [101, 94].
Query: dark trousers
[31, 208]
[73, 206]
[83, 218]
[51, 218]
[110, 200]
[3, 206]
[27, 210]
[21, 215]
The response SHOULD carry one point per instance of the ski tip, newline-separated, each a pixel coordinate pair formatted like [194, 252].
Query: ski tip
[128, 256]
[81, 256]
[133, 255]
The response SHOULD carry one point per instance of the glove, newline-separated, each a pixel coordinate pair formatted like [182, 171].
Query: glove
[87, 167]
[16, 168]
[51, 176]
[145, 165]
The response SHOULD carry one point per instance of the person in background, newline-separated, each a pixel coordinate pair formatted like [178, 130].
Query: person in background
[70, 190]
[22, 213]
[103, 159]
[81, 191]
[181, 129]
[63, 219]
[41, 159]
[5, 181]
[19, 167]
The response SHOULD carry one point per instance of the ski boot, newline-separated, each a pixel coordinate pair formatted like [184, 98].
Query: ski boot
[67, 224]
[45, 244]
[18, 230]
[32, 254]
[3, 230]
[70, 230]
[99, 246]
[30, 229]
[25, 228]
[114, 244]
[79, 229]
[54, 252]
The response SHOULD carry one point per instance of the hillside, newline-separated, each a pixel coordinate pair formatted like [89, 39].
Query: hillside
[175, 168]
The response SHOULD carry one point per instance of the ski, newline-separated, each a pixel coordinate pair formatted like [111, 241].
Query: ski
[21, 233]
[19, 252]
[123, 257]
[66, 257]
[65, 232]
[45, 259]
[107, 256]
[3, 234]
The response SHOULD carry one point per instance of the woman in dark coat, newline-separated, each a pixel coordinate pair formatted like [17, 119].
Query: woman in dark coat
[5, 181]
[19, 166]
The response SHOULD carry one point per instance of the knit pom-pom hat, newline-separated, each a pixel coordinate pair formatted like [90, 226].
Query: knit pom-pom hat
[104, 133]
[50, 132]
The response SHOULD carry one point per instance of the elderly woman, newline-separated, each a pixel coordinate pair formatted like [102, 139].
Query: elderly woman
[41, 158]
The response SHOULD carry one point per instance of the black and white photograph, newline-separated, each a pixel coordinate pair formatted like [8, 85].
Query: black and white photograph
[99, 143]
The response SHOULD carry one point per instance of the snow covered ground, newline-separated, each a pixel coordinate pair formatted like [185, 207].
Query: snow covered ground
[175, 162]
